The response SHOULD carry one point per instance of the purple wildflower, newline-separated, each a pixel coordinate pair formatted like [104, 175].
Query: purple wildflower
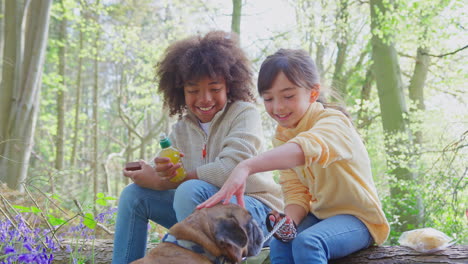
[9, 250]
[24, 245]
[28, 246]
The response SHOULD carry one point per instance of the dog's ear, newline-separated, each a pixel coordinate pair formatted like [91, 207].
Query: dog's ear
[231, 238]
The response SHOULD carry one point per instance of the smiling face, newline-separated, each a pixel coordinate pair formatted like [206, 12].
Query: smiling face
[286, 102]
[205, 97]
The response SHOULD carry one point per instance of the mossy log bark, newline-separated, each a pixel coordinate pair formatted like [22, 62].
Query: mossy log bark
[101, 252]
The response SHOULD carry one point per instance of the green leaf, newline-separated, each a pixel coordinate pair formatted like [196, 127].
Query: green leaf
[101, 202]
[88, 221]
[35, 210]
[22, 209]
[56, 197]
[55, 221]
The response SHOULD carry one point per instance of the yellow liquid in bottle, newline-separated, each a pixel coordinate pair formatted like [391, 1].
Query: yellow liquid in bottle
[174, 155]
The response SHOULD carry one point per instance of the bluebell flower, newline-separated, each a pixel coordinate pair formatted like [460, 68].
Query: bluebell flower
[28, 246]
[9, 250]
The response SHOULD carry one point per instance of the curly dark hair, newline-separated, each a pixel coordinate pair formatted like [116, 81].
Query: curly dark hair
[216, 54]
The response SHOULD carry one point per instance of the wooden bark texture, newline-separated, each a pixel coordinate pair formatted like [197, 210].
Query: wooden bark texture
[403, 255]
[101, 252]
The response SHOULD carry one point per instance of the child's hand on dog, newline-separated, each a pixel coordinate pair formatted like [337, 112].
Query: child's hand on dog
[234, 185]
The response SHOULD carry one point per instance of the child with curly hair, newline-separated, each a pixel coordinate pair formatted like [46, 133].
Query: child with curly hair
[331, 204]
[207, 82]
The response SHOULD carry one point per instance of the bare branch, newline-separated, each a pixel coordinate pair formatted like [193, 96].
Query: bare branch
[41, 212]
[401, 54]
[446, 54]
[50, 200]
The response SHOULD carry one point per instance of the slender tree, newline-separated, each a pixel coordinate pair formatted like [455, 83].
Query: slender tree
[95, 121]
[236, 15]
[26, 33]
[417, 82]
[394, 114]
[362, 116]
[342, 22]
[307, 23]
[76, 123]
[61, 93]
[2, 40]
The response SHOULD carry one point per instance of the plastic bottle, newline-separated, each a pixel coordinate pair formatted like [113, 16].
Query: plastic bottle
[167, 150]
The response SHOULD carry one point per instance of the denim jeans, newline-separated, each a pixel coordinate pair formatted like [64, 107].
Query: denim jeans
[138, 205]
[320, 240]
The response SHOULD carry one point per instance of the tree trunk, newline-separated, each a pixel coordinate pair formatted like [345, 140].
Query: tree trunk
[2, 40]
[12, 33]
[402, 255]
[24, 51]
[416, 87]
[95, 156]
[421, 68]
[236, 16]
[76, 125]
[319, 59]
[128, 155]
[394, 118]
[337, 81]
[100, 251]
[87, 136]
[342, 44]
[362, 116]
[60, 137]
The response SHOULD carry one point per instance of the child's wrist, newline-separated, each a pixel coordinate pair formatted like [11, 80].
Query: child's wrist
[287, 230]
[245, 166]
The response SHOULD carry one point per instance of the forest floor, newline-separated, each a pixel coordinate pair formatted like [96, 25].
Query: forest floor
[98, 247]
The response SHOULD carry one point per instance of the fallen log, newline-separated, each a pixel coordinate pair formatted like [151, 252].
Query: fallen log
[403, 255]
[100, 251]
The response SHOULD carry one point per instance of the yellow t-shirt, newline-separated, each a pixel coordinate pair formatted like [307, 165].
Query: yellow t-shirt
[336, 177]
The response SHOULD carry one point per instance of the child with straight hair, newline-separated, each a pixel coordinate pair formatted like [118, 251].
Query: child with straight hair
[207, 81]
[331, 204]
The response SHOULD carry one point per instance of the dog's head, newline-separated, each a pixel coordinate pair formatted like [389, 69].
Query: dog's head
[221, 230]
[235, 231]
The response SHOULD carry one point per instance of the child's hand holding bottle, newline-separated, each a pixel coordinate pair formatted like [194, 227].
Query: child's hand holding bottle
[168, 163]
[165, 169]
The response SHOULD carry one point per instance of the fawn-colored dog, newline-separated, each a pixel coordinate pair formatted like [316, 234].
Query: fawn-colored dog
[210, 235]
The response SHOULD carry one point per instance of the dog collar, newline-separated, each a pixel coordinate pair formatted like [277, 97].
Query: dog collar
[192, 246]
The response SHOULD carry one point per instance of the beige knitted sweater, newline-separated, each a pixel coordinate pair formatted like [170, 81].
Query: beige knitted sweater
[235, 134]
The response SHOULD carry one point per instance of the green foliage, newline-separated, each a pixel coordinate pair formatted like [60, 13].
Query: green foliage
[55, 221]
[89, 221]
[102, 199]
[26, 209]
[387, 20]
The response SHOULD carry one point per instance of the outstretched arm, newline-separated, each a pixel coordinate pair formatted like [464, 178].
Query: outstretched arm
[283, 157]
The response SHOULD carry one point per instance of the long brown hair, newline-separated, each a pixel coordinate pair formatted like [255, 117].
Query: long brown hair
[300, 69]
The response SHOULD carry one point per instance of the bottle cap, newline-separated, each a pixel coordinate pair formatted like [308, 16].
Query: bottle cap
[164, 141]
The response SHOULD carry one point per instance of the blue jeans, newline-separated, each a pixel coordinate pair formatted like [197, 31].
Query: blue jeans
[138, 205]
[320, 240]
